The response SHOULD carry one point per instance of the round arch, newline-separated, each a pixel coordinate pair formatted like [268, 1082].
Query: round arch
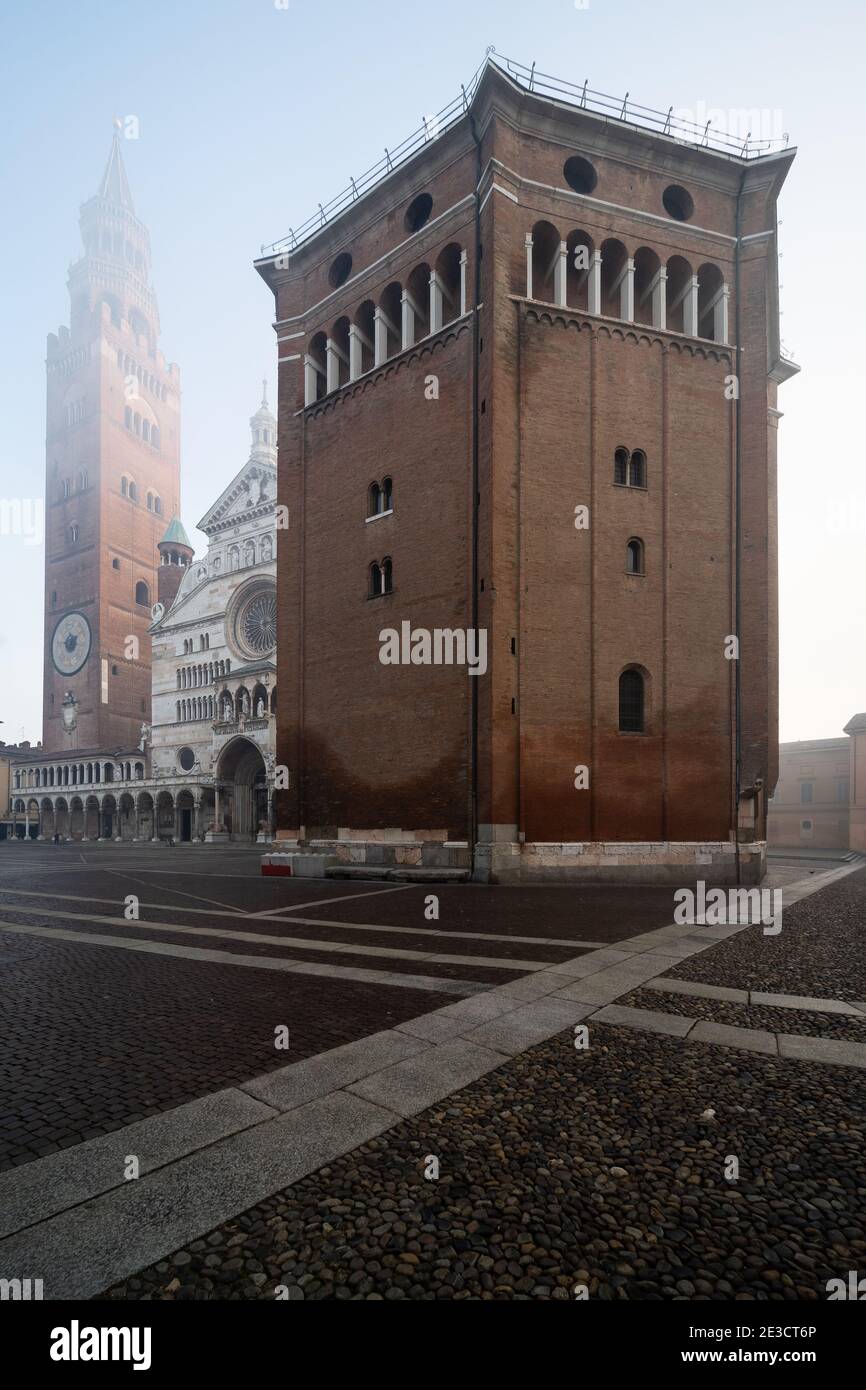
[242, 779]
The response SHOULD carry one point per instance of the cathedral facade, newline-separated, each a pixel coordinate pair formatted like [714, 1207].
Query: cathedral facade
[212, 740]
[203, 766]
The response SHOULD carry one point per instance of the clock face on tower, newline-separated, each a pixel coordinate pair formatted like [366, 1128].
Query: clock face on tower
[70, 644]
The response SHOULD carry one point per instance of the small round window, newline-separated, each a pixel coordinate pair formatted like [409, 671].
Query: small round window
[186, 758]
[341, 269]
[580, 174]
[418, 212]
[678, 202]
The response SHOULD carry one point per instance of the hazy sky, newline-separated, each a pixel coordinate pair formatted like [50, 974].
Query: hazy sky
[251, 114]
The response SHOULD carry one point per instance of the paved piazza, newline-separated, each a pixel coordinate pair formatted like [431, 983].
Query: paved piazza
[106, 1021]
[300, 1171]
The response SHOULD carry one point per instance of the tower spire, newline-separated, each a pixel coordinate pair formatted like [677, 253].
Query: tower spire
[115, 185]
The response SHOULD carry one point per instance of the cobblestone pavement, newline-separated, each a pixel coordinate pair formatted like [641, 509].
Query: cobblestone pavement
[644, 1167]
[820, 951]
[94, 1037]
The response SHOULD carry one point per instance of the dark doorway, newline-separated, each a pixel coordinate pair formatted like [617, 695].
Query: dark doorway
[185, 824]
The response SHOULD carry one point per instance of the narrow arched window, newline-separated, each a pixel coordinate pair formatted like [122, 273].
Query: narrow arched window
[631, 702]
[133, 492]
[375, 581]
[387, 494]
[634, 557]
[637, 469]
[387, 577]
[124, 487]
[620, 467]
[142, 593]
[373, 495]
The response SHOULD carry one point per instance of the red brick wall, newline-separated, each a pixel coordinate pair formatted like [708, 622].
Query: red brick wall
[559, 392]
[110, 527]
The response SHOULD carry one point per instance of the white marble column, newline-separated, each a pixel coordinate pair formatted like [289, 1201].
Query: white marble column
[720, 315]
[594, 288]
[528, 244]
[627, 292]
[407, 334]
[311, 379]
[690, 308]
[464, 266]
[437, 302]
[659, 295]
[560, 276]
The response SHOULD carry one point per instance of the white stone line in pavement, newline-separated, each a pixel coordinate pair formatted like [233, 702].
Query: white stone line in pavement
[807, 1002]
[800, 1047]
[197, 897]
[326, 902]
[303, 921]
[35, 1191]
[295, 943]
[436, 983]
[88, 1247]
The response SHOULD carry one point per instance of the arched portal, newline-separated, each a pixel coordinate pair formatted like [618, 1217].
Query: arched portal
[243, 787]
[76, 818]
[61, 818]
[47, 820]
[165, 827]
[145, 816]
[91, 818]
[127, 826]
[108, 828]
[186, 826]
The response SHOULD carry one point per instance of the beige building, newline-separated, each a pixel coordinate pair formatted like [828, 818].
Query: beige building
[820, 797]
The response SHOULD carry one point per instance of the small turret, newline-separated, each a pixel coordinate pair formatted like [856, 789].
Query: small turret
[175, 555]
[263, 426]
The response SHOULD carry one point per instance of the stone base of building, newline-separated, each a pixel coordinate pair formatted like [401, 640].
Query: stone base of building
[404, 853]
[678, 863]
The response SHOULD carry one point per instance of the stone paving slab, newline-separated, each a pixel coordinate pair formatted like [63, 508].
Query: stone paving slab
[806, 1002]
[36, 1191]
[532, 1024]
[472, 1011]
[592, 963]
[605, 986]
[533, 986]
[752, 1039]
[83, 1250]
[650, 1020]
[843, 1054]
[301, 1082]
[420, 1081]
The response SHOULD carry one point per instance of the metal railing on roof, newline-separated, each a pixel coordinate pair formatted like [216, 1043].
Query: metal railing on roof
[556, 89]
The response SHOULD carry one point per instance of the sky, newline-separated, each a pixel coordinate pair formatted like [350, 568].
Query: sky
[251, 112]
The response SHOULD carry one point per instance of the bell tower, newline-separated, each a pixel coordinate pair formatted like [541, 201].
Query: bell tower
[112, 477]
